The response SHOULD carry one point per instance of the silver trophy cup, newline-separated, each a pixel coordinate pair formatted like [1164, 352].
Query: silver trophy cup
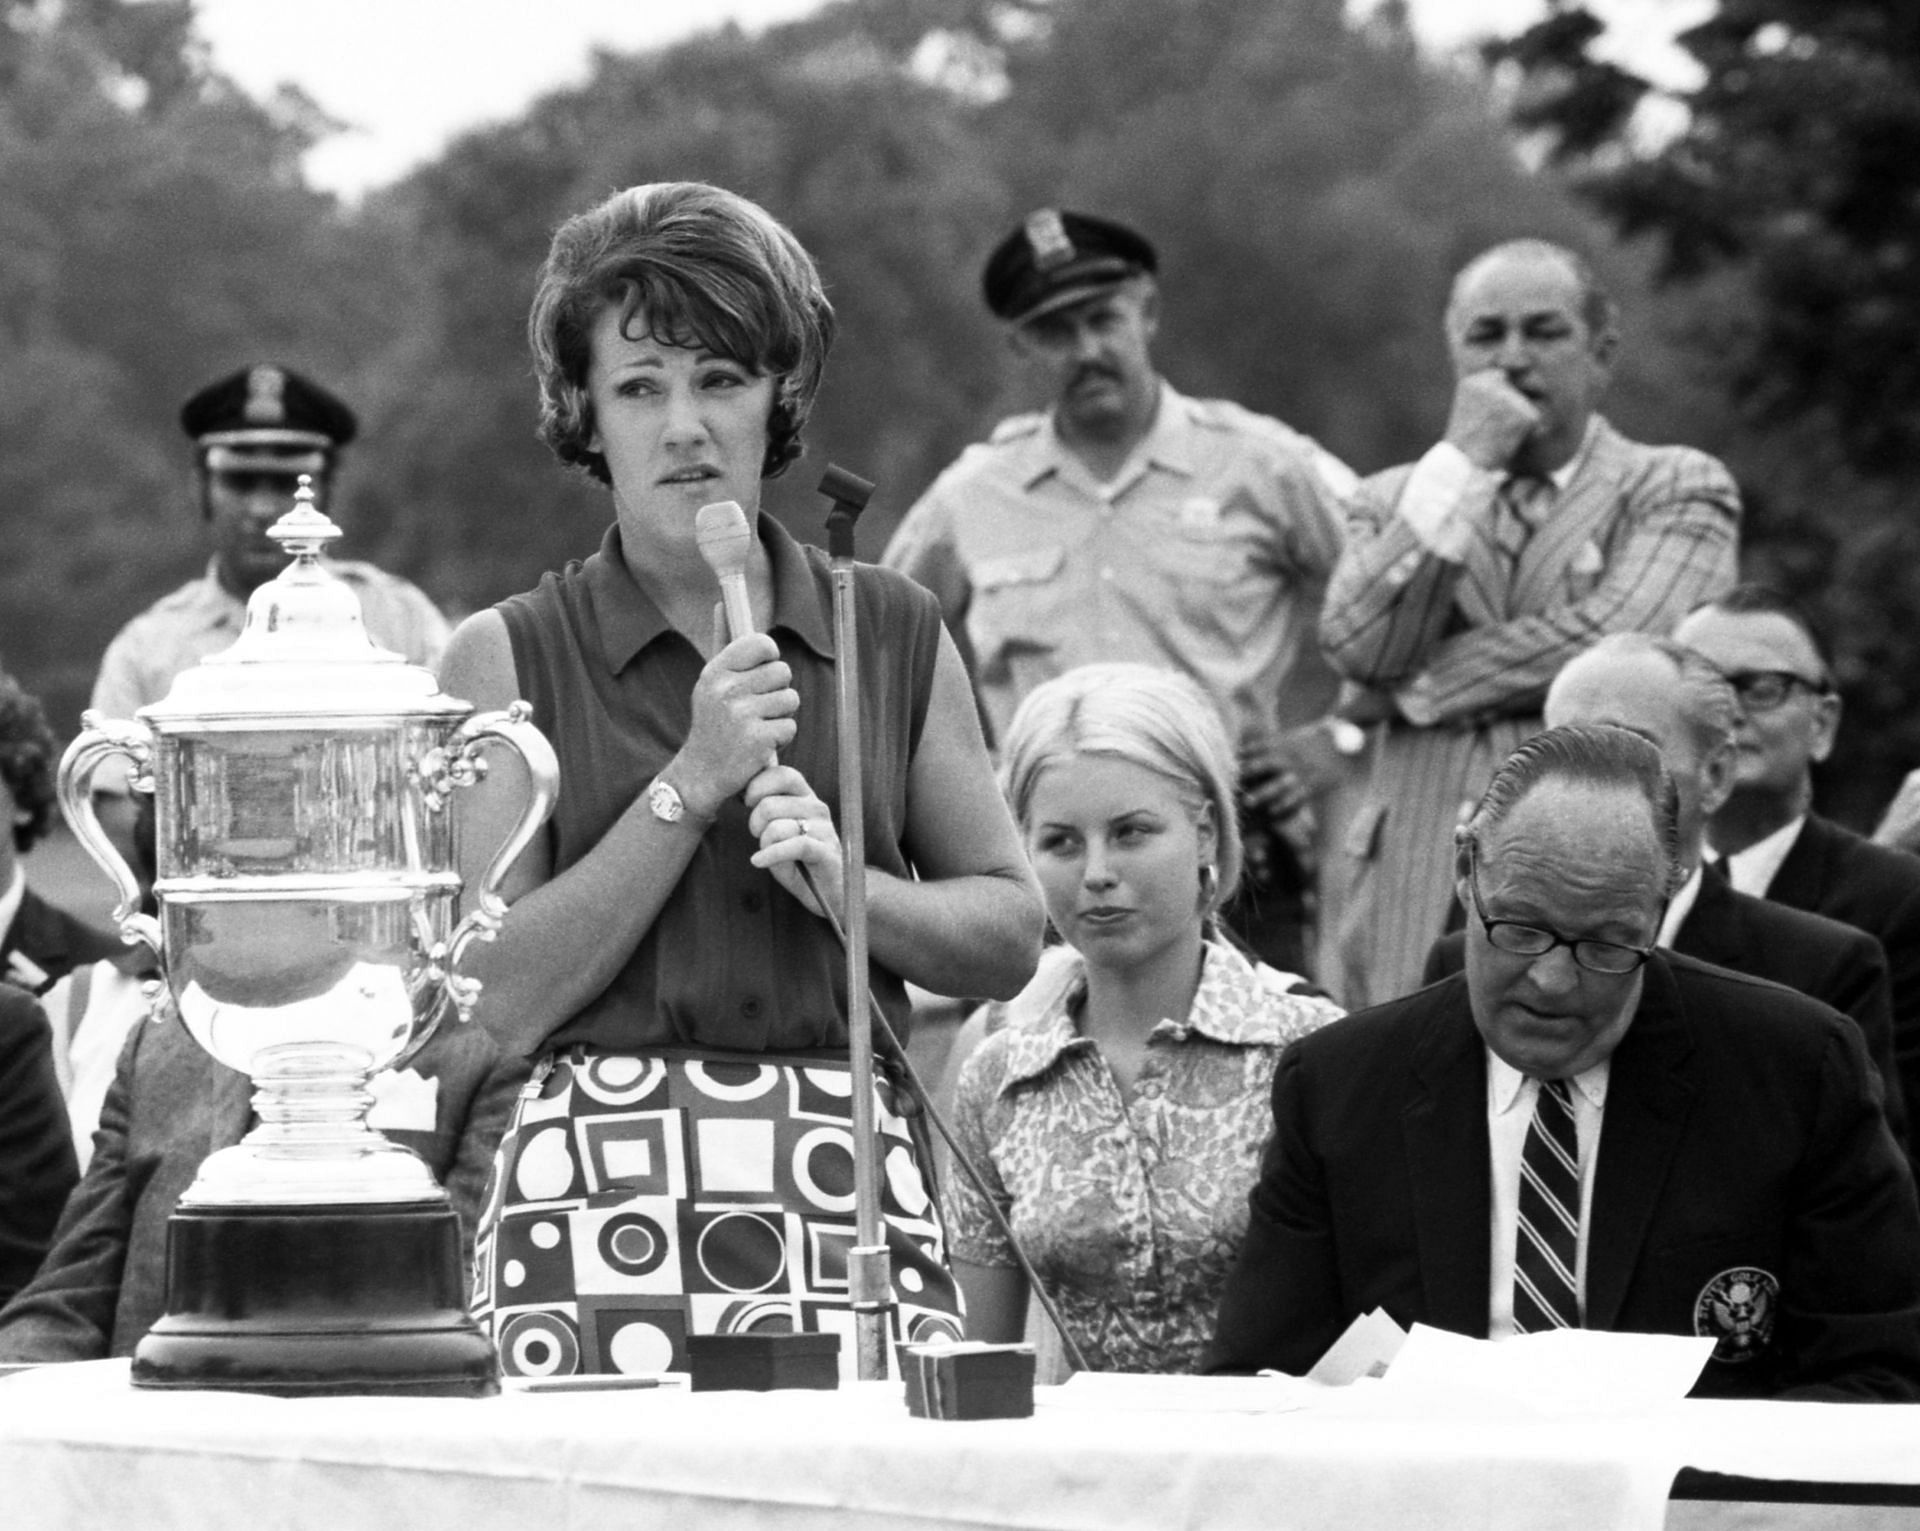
[308, 930]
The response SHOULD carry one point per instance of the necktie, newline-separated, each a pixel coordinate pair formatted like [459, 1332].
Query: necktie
[1520, 506]
[1547, 1245]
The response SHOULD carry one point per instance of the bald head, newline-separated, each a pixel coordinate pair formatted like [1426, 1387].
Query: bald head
[1672, 698]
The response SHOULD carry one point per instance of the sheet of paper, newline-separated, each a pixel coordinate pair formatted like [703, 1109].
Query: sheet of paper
[1565, 1371]
[1366, 1349]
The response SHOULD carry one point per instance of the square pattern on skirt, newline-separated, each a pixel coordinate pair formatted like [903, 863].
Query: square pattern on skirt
[637, 1199]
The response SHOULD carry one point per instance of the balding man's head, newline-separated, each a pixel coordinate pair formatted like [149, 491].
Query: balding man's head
[1671, 697]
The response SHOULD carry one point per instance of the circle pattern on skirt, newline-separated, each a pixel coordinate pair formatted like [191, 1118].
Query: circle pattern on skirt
[539, 1345]
[741, 1252]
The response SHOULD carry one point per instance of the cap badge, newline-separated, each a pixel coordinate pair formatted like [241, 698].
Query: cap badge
[1048, 239]
[1736, 1310]
[266, 397]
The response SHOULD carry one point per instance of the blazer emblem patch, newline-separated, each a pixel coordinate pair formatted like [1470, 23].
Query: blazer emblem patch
[1736, 1310]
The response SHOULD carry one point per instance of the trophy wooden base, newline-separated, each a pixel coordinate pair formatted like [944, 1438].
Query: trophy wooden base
[311, 1301]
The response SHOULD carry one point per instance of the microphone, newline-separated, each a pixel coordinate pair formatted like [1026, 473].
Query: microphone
[725, 542]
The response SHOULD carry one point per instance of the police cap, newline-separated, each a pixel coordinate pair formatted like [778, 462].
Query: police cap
[267, 417]
[1056, 257]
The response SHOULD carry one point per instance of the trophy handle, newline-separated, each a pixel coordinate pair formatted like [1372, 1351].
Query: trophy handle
[100, 739]
[462, 765]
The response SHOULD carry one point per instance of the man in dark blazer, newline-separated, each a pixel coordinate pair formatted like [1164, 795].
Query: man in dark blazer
[1675, 699]
[1734, 1174]
[1773, 844]
[37, 1167]
[103, 1285]
[38, 943]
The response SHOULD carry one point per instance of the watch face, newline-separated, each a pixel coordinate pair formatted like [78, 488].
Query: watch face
[665, 802]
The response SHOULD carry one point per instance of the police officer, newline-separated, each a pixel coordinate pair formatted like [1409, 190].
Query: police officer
[255, 433]
[1129, 522]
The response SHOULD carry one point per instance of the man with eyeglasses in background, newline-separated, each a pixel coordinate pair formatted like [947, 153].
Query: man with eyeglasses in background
[1583, 1130]
[1672, 697]
[1773, 843]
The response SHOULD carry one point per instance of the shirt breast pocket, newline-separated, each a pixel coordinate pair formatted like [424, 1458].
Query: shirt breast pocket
[1018, 605]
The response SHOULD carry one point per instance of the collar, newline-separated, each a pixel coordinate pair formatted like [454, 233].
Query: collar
[1564, 474]
[10, 900]
[1679, 907]
[1233, 1005]
[1753, 869]
[630, 619]
[1506, 1083]
[1169, 443]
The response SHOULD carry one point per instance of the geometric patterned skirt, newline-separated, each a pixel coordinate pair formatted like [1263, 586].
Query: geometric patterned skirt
[639, 1198]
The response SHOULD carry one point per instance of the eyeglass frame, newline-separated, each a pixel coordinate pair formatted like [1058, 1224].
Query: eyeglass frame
[1640, 953]
[1740, 680]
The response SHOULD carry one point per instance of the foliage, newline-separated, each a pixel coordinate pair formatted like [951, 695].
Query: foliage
[1795, 173]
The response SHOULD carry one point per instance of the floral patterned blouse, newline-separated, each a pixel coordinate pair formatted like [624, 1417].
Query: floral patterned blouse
[1130, 1211]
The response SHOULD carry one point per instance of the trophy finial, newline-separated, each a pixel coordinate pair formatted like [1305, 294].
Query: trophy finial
[304, 530]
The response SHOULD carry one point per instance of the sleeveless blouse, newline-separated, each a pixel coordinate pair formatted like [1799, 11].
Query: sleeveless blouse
[733, 961]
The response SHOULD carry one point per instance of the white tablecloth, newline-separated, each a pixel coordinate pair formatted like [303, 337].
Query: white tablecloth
[80, 1448]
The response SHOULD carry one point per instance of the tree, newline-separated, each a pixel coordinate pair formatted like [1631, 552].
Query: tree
[1787, 205]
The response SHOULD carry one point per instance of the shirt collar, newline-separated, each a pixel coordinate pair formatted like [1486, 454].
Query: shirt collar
[1752, 870]
[1679, 907]
[1506, 1083]
[630, 619]
[10, 900]
[1169, 444]
[1231, 1006]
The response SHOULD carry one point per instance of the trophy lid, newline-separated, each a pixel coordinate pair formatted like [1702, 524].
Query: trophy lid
[304, 652]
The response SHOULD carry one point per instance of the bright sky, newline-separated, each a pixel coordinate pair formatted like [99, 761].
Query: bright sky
[409, 74]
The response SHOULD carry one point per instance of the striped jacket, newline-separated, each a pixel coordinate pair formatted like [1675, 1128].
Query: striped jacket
[1638, 536]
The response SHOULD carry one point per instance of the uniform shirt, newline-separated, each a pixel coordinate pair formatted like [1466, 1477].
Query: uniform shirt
[1209, 552]
[1130, 1210]
[203, 617]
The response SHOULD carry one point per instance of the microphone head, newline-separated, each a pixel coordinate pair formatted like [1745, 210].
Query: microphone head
[724, 536]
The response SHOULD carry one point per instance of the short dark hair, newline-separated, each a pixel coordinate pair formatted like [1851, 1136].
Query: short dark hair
[1597, 308]
[1587, 755]
[1754, 599]
[28, 756]
[705, 266]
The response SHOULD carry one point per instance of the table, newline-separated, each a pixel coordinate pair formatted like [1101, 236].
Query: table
[80, 1448]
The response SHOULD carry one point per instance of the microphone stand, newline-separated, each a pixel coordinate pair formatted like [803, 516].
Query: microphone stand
[869, 1275]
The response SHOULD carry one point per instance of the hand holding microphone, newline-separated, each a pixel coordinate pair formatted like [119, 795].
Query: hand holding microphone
[798, 842]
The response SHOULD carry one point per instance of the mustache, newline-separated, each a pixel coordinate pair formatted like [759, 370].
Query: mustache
[1091, 371]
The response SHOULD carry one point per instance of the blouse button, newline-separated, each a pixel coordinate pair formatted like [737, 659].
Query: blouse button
[750, 901]
[750, 1008]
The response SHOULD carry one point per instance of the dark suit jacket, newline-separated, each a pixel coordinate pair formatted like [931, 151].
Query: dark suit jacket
[170, 1105]
[53, 941]
[37, 1165]
[1846, 877]
[1836, 964]
[1742, 1128]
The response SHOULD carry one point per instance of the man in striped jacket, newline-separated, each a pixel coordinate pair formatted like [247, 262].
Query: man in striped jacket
[1468, 578]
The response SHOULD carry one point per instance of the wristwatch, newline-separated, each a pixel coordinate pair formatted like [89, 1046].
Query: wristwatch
[666, 804]
[1348, 737]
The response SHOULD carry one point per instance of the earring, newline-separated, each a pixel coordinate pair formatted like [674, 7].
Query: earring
[1209, 884]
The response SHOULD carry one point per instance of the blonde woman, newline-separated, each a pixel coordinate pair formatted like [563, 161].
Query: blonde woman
[1117, 1110]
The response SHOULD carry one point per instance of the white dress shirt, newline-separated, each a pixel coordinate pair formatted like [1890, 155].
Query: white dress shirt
[1678, 908]
[1752, 870]
[1510, 1098]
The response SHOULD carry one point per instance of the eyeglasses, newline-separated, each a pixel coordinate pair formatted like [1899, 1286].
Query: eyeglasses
[1523, 940]
[1764, 690]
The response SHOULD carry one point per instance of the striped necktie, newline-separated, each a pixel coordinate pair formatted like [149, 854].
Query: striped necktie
[1546, 1247]
[1521, 505]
